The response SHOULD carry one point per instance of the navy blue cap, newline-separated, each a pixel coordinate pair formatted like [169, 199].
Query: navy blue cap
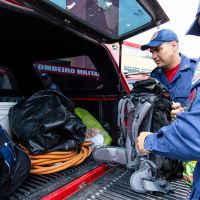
[195, 27]
[158, 38]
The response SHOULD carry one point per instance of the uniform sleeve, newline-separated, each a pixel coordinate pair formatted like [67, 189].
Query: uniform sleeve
[180, 140]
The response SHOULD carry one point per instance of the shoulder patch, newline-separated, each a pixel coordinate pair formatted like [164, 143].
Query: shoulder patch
[196, 75]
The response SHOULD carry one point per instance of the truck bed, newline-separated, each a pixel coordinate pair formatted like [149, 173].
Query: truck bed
[36, 187]
[114, 185]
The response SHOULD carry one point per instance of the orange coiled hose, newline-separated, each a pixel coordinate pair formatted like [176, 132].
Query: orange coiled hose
[59, 160]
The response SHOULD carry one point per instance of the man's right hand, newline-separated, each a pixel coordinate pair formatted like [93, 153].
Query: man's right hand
[140, 143]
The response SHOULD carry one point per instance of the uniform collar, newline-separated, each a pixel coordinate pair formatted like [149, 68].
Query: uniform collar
[185, 62]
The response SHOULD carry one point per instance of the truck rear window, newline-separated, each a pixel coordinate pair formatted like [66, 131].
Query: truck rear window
[74, 73]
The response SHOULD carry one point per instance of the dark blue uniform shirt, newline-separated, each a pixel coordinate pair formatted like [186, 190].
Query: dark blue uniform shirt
[179, 87]
[181, 139]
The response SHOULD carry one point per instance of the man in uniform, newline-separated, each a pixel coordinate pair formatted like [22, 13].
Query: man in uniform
[174, 70]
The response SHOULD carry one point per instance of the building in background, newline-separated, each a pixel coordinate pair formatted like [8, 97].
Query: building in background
[134, 60]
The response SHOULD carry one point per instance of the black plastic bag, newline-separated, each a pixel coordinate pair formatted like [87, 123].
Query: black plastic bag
[45, 122]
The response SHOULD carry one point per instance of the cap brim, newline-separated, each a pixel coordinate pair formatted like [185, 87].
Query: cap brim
[194, 28]
[151, 44]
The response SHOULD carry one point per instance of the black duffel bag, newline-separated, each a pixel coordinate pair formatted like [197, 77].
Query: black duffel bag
[45, 122]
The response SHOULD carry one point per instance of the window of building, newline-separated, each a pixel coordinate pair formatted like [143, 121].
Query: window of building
[129, 70]
[137, 52]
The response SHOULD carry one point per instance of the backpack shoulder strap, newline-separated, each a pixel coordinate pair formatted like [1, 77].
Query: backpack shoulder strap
[122, 107]
[148, 122]
[143, 107]
[141, 110]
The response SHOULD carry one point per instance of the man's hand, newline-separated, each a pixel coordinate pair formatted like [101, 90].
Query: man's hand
[176, 108]
[140, 143]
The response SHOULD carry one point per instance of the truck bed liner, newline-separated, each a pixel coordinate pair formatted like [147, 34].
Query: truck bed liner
[37, 186]
[114, 185]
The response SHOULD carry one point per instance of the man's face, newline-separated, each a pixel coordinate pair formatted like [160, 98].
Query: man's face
[163, 55]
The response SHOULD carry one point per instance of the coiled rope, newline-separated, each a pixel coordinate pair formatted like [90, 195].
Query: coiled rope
[58, 160]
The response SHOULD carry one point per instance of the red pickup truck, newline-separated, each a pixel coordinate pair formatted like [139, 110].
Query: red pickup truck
[73, 33]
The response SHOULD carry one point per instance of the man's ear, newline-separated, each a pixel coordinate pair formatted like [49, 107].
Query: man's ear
[174, 44]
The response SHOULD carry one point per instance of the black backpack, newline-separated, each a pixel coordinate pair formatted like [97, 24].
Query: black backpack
[15, 165]
[158, 115]
[148, 109]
